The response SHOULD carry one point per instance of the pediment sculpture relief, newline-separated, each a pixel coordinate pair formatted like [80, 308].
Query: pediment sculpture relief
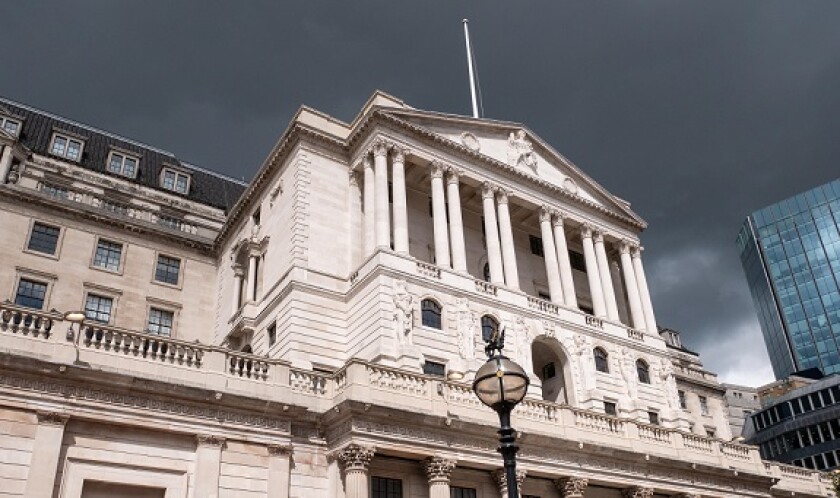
[521, 151]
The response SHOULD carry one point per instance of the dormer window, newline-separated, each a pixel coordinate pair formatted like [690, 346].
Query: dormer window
[67, 147]
[123, 164]
[174, 180]
[10, 126]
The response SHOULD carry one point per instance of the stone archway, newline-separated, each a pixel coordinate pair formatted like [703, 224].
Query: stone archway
[552, 366]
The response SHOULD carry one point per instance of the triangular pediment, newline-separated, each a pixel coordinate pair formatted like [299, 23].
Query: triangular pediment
[516, 146]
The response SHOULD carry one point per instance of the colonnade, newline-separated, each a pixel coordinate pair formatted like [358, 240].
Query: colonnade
[450, 249]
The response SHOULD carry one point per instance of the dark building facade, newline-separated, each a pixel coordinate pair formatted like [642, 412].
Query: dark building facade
[790, 252]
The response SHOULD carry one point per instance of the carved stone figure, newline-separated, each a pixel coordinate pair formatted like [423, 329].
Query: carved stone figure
[403, 313]
[627, 367]
[521, 151]
[466, 326]
[522, 340]
[585, 362]
[666, 375]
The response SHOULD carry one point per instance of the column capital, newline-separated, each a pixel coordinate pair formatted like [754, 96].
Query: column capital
[353, 177]
[558, 217]
[637, 492]
[380, 147]
[438, 469]
[210, 440]
[453, 175]
[399, 153]
[571, 487]
[367, 161]
[503, 195]
[279, 449]
[437, 169]
[501, 479]
[586, 231]
[355, 456]
[597, 236]
[636, 251]
[545, 213]
[238, 270]
[52, 418]
[626, 246]
[488, 190]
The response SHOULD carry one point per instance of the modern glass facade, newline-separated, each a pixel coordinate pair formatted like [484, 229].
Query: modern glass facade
[790, 252]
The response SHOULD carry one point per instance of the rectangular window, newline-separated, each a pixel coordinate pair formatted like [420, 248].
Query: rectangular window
[704, 405]
[98, 308]
[10, 126]
[383, 487]
[577, 261]
[108, 255]
[31, 294]
[683, 403]
[434, 368]
[55, 191]
[44, 238]
[536, 246]
[653, 418]
[548, 371]
[175, 181]
[66, 147]
[456, 492]
[710, 433]
[168, 270]
[122, 164]
[272, 333]
[610, 408]
[160, 322]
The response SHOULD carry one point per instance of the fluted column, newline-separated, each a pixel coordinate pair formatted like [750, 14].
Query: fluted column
[501, 481]
[238, 273]
[506, 234]
[491, 233]
[46, 450]
[604, 273]
[456, 222]
[252, 277]
[637, 492]
[380, 165]
[400, 205]
[439, 471]
[279, 471]
[571, 487]
[620, 292]
[208, 460]
[566, 279]
[439, 216]
[592, 274]
[355, 460]
[369, 205]
[552, 271]
[636, 313]
[644, 290]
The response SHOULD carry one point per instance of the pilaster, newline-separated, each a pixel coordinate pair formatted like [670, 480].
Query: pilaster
[279, 460]
[45, 454]
[208, 461]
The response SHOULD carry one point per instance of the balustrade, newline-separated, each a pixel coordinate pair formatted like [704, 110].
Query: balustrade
[26, 322]
[734, 450]
[635, 335]
[149, 346]
[654, 433]
[539, 304]
[428, 270]
[485, 287]
[246, 365]
[598, 422]
[309, 382]
[594, 321]
[698, 443]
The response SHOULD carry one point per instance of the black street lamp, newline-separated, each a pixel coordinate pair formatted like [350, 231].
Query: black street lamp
[501, 384]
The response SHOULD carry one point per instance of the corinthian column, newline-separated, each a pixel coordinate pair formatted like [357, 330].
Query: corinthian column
[506, 233]
[46, 449]
[644, 290]
[491, 233]
[550, 254]
[636, 312]
[501, 481]
[566, 278]
[439, 216]
[400, 205]
[383, 224]
[438, 470]
[592, 275]
[637, 492]
[456, 223]
[571, 487]
[604, 273]
[355, 460]
[369, 206]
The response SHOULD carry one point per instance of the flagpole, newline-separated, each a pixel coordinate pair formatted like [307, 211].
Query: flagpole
[470, 68]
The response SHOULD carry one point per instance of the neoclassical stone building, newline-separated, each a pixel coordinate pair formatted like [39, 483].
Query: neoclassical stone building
[314, 332]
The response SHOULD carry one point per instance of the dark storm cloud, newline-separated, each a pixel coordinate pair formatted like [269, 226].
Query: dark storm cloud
[696, 112]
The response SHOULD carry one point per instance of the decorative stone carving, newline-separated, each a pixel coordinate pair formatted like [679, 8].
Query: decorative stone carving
[522, 339]
[380, 148]
[570, 185]
[470, 141]
[583, 349]
[279, 449]
[403, 313]
[627, 367]
[210, 440]
[52, 418]
[355, 457]
[503, 196]
[687, 495]
[637, 492]
[437, 169]
[278, 189]
[453, 175]
[521, 151]
[571, 487]
[466, 326]
[666, 375]
[438, 469]
[501, 480]
[488, 190]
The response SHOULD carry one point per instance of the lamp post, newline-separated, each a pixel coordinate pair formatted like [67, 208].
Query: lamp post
[75, 317]
[501, 384]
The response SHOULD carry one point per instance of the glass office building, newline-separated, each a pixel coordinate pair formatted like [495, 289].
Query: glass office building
[790, 252]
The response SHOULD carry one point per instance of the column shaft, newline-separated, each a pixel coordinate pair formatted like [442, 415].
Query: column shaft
[252, 277]
[636, 312]
[208, 459]
[491, 233]
[400, 205]
[606, 280]
[439, 217]
[644, 291]
[508, 251]
[369, 207]
[237, 290]
[566, 276]
[46, 449]
[383, 224]
[592, 274]
[456, 223]
[552, 270]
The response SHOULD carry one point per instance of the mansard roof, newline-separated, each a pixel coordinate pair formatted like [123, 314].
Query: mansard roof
[206, 187]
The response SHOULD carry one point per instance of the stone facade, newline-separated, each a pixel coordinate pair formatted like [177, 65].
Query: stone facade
[742, 401]
[325, 327]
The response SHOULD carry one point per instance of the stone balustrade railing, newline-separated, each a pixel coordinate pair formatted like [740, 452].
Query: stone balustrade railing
[110, 349]
[696, 373]
[486, 287]
[536, 303]
[428, 269]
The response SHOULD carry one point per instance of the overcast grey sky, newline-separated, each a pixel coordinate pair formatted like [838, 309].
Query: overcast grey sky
[696, 112]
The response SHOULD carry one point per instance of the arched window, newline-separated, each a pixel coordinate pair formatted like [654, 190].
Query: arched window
[431, 313]
[601, 363]
[643, 371]
[489, 326]
[486, 272]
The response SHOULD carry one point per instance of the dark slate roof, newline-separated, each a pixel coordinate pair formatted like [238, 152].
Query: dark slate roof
[206, 186]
